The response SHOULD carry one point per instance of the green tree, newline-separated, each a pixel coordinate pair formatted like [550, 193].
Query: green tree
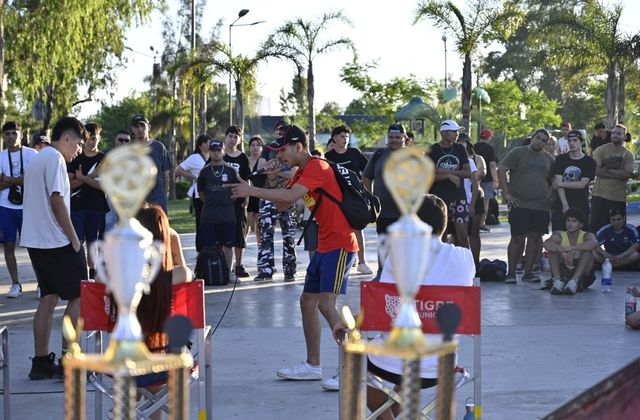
[484, 20]
[302, 41]
[60, 47]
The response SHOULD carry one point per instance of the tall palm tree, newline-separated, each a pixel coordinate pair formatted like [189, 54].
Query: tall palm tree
[302, 41]
[485, 20]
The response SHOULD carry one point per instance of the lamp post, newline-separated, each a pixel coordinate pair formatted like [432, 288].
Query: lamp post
[241, 13]
[444, 39]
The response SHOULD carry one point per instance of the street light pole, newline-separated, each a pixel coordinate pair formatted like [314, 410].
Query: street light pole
[241, 13]
[192, 136]
[444, 39]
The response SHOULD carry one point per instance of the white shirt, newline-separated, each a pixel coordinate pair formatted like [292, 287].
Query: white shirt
[193, 164]
[467, 182]
[46, 174]
[563, 145]
[451, 266]
[27, 154]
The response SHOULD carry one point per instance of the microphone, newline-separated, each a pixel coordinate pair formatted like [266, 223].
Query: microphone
[263, 170]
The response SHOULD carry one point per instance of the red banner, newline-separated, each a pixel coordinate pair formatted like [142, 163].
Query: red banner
[380, 303]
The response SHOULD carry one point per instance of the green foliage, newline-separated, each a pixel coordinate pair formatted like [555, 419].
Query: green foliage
[59, 46]
[118, 117]
[182, 186]
[180, 218]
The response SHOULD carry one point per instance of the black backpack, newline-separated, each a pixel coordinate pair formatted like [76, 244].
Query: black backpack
[211, 267]
[495, 270]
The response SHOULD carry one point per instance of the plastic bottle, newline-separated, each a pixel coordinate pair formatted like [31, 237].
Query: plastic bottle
[544, 262]
[469, 414]
[629, 303]
[607, 280]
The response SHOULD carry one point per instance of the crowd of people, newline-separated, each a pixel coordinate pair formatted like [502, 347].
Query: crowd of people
[50, 194]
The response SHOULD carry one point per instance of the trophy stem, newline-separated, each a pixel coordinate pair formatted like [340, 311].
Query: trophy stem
[410, 389]
[407, 328]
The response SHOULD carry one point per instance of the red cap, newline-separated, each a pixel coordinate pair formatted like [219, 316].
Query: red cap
[486, 133]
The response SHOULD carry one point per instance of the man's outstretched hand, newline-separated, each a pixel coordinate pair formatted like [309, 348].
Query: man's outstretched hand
[240, 190]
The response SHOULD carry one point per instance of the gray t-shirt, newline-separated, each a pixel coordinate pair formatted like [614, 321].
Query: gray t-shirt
[373, 171]
[530, 174]
[160, 157]
[218, 205]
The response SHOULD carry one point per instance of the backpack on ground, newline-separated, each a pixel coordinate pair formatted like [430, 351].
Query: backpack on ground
[211, 266]
[495, 270]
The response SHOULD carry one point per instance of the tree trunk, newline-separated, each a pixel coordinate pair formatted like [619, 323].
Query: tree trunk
[48, 107]
[611, 103]
[466, 91]
[172, 153]
[202, 129]
[622, 81]
[240, 111]
[311, 93]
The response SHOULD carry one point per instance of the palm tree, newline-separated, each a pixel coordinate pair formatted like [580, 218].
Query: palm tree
[593, 43]
[485, 20]
[301, 41]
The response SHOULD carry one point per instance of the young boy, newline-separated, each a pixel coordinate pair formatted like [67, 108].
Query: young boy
[570, 256]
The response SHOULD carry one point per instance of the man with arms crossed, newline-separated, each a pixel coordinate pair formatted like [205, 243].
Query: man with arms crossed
[328, 270]
[56, 253]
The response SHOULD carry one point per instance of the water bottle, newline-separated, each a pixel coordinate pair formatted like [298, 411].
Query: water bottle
[544, 262]
[607, 281]
[629, 303]
[469, 407]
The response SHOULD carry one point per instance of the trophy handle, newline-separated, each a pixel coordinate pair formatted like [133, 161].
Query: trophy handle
[97, 253]
[154, 254]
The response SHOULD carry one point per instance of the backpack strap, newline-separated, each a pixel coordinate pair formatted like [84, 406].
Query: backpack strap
[310, 219]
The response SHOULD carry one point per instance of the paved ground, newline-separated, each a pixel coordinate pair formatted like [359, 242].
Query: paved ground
[538, 350]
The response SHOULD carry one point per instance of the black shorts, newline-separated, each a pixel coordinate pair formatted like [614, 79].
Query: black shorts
[241, 226]
[59, 270]
[523, 221]
[254, 205]
[397, 379]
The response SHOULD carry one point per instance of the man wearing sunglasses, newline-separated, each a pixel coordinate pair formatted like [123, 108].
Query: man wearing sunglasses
[527, 193]
[122, 137]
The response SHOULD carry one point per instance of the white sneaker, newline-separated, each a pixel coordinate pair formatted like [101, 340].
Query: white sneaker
[558, 287]
[332, 384]
[15, 291]
[571, 287]
[302, 372]
[363, 268]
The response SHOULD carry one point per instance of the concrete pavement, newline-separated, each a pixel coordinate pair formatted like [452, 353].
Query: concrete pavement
[538, 350]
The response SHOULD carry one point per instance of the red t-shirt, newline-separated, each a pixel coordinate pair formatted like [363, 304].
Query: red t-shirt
[334, 231]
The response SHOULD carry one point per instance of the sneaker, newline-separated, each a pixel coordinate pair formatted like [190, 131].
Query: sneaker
[363, 268]
[241, 272]
[43, 367]
[332, 383]
[546, 284]
[302, 372]
[536, 268]
[558, 287]
[15, 291]
[531, 278]
[289, 279]
[571, 287]
[510, 279]
[484, 229]
[263, 277]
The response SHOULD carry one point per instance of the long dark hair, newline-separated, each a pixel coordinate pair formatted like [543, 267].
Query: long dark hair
[154, 308]
[202, 138]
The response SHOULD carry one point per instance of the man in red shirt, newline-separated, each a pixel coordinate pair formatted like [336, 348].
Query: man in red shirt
[328, 270]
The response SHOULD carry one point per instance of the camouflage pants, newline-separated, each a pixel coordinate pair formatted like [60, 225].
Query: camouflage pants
[267, 222]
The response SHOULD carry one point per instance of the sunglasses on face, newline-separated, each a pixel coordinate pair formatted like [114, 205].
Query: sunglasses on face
[124, 140]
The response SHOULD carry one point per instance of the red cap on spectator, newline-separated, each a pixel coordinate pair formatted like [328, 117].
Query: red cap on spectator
[486, 133]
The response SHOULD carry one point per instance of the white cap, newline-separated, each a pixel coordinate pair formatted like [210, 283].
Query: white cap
[449, 125]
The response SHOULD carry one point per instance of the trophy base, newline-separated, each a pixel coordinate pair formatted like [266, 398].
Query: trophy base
[406, 338]
[120, 351]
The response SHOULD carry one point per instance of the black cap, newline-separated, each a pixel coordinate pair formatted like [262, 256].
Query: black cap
[11, 125]
[397, 128]
[293, 134]
[600, 126]
[216, 144]
[140, 118]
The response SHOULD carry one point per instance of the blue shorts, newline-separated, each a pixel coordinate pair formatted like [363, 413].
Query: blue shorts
[217, 234]
[89, 224]
[10, 224]
[329, 272]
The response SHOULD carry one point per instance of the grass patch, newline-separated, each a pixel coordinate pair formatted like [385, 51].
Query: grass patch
[179, 217]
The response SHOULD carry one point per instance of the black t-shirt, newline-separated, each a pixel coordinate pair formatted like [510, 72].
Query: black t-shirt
[573, 170]
[599, 141]
[241, 164]
[488, 153]
[218, 205]
[85, 197]
[451, 158]
[352, 159]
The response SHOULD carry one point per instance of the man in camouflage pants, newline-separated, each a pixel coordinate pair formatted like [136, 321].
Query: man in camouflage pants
[267, 217]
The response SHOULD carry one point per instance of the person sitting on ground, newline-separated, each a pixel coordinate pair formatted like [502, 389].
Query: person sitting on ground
[452, 266]
[570, 256]
[621, 241]
[633, 319]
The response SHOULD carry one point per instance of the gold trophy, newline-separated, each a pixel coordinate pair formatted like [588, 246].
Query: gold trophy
[408, 174]
[127, 260]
